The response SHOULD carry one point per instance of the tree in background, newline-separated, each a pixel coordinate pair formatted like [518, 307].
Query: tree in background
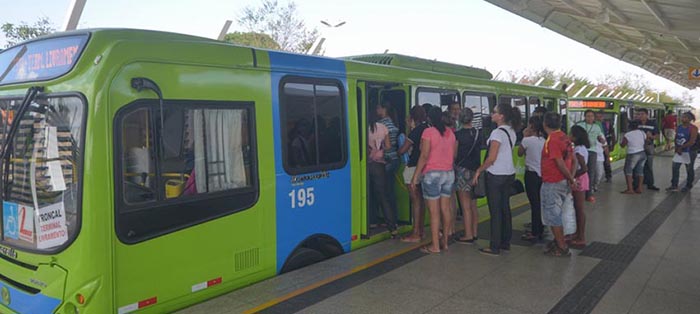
[281, 23]
[625, 83]
[252, 39]
[18, 33]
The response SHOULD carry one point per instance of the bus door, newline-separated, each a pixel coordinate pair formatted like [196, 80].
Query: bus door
[373, 94]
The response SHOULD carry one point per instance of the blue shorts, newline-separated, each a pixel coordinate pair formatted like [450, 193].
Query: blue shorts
[437, 183]
[634, 164]
[555, 197]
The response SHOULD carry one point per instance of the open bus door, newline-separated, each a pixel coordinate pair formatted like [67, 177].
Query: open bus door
[371, 94]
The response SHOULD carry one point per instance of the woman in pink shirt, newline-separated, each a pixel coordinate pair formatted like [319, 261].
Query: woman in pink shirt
[436, 166]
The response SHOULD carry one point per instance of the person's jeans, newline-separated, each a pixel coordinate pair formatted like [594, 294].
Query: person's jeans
[689, 170]
[649, 171]
[606, 166]
[592, 164]
[390, 171]
[378, 182]
[533, 185]
[498, 198]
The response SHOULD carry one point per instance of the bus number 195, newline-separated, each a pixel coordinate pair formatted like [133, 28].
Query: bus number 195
[302, 197]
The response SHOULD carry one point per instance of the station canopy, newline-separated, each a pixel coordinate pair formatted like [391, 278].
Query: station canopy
[660, 36]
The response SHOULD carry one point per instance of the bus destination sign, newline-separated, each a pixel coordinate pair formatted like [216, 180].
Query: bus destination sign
[40, 60]
[595, 104]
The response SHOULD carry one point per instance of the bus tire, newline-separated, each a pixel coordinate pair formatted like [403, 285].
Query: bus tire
[302, 257]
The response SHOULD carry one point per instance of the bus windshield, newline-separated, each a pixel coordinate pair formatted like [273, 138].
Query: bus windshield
[41, 172]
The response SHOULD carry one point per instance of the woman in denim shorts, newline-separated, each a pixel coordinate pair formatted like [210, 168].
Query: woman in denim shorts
[469, 141]
[436, 165]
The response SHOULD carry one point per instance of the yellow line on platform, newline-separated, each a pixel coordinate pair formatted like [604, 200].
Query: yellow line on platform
[295, 293]
[300, 291]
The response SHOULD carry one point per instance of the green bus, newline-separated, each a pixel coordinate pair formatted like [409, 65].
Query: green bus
[147, 171]
[616, 115]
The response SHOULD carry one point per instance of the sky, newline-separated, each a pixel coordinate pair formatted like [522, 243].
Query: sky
[469, 32]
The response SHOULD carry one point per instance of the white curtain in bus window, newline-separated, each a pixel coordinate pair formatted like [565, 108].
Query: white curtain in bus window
[218, 153]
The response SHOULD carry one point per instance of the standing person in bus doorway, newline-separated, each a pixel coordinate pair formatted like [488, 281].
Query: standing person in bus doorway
[609, 145]
[669, 126]
[686, 152]
[419, 119]
[557, 182]
[531, 148]
[596, 138]
[436, 165]
[636, 158]
[468, 160]
[455, 109]
[500, 174]
[580, 139]
[652, 132]
[377, 142]
[387, 117]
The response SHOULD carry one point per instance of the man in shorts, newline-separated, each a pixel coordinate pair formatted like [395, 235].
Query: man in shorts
[669, 125]
[558, 164]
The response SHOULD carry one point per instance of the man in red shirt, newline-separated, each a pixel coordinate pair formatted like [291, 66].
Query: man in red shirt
[669, 125]
[558, 166]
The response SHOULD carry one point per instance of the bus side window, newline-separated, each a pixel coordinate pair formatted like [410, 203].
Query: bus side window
[480, 104]
[138, 157]
[313, 125]
[202, 155]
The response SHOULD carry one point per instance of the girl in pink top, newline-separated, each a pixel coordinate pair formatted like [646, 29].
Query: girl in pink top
[437, 152]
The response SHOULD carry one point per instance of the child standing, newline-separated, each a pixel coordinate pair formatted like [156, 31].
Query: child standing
[581, 144]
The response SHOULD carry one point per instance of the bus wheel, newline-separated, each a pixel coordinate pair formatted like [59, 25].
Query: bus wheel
[302, 257]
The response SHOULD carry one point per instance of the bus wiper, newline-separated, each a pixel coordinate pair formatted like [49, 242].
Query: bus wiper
[28, 99]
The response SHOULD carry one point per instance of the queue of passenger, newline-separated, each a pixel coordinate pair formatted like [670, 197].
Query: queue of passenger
[562, 171]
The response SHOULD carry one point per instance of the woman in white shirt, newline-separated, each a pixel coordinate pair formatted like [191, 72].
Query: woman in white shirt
[531, 146]
[636, 158]
[500, 174]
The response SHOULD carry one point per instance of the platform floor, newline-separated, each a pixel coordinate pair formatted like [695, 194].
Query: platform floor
[643, 257]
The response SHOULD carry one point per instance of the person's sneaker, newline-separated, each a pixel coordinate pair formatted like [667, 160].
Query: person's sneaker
[653, 188]
[590, 199]
[672, 189]
[608, 180]
[685, 189]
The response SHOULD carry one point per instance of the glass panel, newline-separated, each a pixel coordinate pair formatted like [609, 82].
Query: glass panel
[40, 60]
[40, 187]
[138, 154]
[313, 126]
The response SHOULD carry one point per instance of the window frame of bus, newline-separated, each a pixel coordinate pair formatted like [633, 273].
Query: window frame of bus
[81, 175]
[84, 43]
[283, 125]
[489, 107]
[215, 202]
[437, 91]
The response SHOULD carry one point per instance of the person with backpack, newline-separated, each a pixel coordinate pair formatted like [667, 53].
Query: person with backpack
[419, 119]
[686, 152]
[500, 175]
[468, 160]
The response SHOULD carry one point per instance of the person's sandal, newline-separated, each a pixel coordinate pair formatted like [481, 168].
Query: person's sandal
[465, 241]
[577, 244]
[488, 252]
[558, 252]
[529, 236]
[426, 249]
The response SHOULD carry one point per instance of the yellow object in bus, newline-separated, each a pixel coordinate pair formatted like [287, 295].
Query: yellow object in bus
[173, 188]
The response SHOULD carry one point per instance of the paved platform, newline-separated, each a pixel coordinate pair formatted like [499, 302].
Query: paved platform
[643, 257]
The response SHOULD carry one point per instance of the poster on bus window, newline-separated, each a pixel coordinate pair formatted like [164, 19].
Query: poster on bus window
[10, 228]
[25, 215]
[51, 229]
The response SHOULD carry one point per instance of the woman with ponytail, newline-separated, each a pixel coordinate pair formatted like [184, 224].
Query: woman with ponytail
[435, 166]
[500, 174]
